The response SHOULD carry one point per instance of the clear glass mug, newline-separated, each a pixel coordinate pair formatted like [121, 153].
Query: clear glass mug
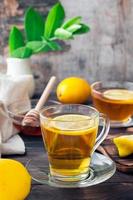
[115, 99]
[70, 135]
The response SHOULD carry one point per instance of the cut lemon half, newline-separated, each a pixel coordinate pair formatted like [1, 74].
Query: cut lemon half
[118, 94]
[124, 145]
[73, 124]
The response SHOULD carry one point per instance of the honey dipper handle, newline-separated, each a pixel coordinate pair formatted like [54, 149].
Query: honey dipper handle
[45, 93]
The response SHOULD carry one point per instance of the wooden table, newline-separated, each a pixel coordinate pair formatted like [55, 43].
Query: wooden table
[119, 187]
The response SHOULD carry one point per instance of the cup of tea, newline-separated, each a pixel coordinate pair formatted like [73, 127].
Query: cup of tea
[115, 99]
[70, 135]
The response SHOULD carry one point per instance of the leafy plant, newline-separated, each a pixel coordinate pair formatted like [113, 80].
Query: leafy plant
[54, 20]
[16, 39]
[22, 52]
[42, 35]
[34, 25]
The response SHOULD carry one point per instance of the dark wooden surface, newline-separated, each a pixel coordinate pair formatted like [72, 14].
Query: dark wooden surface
[119, 187]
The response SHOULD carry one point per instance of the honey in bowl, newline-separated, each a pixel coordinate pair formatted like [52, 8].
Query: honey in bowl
[116, 103]
[69, 144]
[28, 130]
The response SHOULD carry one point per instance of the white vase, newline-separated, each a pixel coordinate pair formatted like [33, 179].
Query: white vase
[19, 67]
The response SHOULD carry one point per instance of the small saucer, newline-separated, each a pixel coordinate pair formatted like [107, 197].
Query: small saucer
[101, 169]
[126, 124]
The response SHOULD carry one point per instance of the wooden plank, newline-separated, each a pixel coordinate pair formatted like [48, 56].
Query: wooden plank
[103, 191]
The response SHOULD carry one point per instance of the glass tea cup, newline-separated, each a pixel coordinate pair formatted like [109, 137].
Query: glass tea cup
[115, 99]
[70, 136]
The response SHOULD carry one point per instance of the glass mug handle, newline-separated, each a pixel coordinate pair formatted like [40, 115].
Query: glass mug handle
[106, 126]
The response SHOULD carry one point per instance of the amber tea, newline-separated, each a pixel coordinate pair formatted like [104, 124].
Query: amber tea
[69, 150]
[69, 133]
[115, 102]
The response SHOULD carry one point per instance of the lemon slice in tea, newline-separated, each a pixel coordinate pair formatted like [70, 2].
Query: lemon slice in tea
[73, 122]
[118, 94]
[72, 117]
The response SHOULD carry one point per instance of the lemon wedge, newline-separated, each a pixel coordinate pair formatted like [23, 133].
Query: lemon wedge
[124, 145]
[118, 94]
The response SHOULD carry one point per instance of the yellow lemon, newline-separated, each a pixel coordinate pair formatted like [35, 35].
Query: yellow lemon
[15, 181]
[73, 90]
[124, 145]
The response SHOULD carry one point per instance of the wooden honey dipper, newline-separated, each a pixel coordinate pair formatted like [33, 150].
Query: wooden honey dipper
[33, 115]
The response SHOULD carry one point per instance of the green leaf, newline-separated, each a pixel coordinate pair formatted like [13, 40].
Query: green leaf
[84, 29]
[54, 46]
[54, 20]
[16, 39]
[22, 52]
[73, 28]
[46, 48]
[34, 25]
[36, 46]
[63, 34]
[75, 20]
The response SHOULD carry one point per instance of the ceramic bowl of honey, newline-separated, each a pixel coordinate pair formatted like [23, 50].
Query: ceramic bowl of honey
[17, 111]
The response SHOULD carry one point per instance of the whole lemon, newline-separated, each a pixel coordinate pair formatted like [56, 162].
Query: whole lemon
[15, 181]
[73, 90]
